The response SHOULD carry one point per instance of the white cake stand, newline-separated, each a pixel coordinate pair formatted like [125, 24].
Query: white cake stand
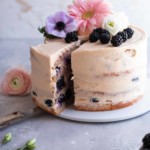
[135, 110]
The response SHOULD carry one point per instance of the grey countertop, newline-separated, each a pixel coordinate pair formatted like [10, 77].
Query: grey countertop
[53, 133]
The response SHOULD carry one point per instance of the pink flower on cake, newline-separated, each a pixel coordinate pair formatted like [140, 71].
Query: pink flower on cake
[89, 14]
[16, 81]
[60, 24]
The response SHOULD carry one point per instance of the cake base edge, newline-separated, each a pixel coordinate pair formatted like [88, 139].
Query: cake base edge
[108, 107]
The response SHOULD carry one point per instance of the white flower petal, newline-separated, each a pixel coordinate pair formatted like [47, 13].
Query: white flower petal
[115, 23]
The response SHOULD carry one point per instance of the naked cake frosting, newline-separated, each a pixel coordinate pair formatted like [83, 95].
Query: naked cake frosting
[107, 77]
[94, 59]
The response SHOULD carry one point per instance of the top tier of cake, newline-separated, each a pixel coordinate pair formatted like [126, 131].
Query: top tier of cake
[129, 55]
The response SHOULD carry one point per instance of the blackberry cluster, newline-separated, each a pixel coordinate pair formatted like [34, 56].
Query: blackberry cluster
[121, 37]
[71, 37]
[104, 36]
[146, 141]
[101, 34]
[129, 32]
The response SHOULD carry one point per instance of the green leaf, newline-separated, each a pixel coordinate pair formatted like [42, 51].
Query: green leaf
[45, 34]
[7, 138]
[30, 145]
[31, 142]
[41, 30]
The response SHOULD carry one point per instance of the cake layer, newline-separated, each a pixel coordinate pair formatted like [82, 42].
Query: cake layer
[111, 84]
[83, 96]
[109, 106]
[97, 59]
[99, 100]
[51, 74]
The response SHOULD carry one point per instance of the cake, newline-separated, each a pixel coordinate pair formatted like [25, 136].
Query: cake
[107, 77]
[96, 62]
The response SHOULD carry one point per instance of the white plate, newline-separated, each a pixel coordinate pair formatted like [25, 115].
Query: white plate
[135, 110]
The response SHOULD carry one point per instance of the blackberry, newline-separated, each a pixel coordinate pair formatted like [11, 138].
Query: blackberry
[129, 32]
[104, 38]
[124, 35]
[93, 37]
[95, 100]
[48, 102]
[67, 40]
[146, 141]
[116, 40]
[100, 31]
[60, 83]
[71, 37]
[61, 98]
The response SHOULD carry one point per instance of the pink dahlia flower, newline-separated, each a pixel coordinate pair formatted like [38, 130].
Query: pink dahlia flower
[16, 81]
[89, 14]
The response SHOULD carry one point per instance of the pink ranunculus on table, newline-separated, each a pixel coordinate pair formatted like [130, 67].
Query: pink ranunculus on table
[16, 81]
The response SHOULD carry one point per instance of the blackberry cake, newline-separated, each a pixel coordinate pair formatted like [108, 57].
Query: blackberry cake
[105, 71]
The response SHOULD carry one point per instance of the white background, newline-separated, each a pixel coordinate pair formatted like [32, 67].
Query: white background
[21, 18]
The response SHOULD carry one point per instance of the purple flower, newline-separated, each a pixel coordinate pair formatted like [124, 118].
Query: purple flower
[60, 24]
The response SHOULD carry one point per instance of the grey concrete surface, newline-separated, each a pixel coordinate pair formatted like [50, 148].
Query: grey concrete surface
[53, 133]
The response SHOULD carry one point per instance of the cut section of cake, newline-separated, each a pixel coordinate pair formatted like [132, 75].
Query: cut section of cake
[107, 77]
[51, 75]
